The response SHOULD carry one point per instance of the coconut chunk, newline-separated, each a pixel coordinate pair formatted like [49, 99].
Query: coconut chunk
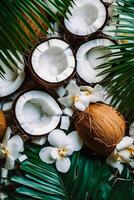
[88, 58]
[53, 61]
[13, 78]
[87, 16]
[61, 91]
[65, 123]
[22, 158]
[39, 140]
[37, 113]
[68, 112]
[7, 106]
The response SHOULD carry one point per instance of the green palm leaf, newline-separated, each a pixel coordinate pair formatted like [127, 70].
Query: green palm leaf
[88, 178]
[120, 82]
[19, 14]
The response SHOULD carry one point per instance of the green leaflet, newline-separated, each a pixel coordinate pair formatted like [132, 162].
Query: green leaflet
[13, 35]
[120, 82]
[88, 178]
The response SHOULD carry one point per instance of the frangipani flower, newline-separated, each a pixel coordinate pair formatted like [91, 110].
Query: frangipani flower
[62, 146]
[124, 153]
[10, 148]
[80, 97]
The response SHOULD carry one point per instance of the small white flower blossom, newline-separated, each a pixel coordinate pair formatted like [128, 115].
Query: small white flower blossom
[10, 149]
[124, 153]
[62, 146]
[80, 97]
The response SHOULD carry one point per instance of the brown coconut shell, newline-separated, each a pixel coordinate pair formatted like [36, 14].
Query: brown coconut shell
[3, 125]
[73, 38]
[101, 127]
[45, 84]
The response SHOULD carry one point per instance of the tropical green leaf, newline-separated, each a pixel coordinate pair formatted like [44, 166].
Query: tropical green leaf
[89, 177]
[120, 82]
[13, 35]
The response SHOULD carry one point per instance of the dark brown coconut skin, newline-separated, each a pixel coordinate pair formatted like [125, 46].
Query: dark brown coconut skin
[45, 84]
[101, 127]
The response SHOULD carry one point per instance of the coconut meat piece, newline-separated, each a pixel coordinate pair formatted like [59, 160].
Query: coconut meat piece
[37, 113]
[53, 60]
[87, 16]
[88, 58]
[14, 77]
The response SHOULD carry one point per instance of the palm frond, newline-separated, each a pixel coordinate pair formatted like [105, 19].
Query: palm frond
[120, 82]
[23, 22]
[88, 178]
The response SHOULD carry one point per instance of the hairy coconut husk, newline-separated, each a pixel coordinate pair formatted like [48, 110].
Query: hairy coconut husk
[101, 127]
[3, 125]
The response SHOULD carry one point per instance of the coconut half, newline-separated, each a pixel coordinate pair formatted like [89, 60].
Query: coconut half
[36, 112]
[88, 58]
[52, 62]
[13, 78]
[87, 17]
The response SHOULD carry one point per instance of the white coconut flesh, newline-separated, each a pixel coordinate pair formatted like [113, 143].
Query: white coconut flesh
[88, 58]
[87, 16]
[12, 78]
[53, 60]
[37, 112]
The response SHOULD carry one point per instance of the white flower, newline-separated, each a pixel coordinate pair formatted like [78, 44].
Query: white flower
[80, 97]
[123, 153]
[10, 149]
[63, 146]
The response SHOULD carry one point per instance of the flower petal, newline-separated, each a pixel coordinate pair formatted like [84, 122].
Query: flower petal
[131, 130]
[73, 88]
[85, 100]
[66, 101]
[54, 153]
[80, 106]
[45, 155]
[69, 149]
[75, 140]
[57, 138]
[115, 164]
[63, 164]
[15, 145]
[125, 142]
[4, 173]
[132, 164]
[6, 136]
[9, 162]
[125, 156]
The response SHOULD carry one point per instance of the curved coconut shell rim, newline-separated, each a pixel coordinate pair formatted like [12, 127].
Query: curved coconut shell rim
[15, 118]
[38, 78]
[89, 35]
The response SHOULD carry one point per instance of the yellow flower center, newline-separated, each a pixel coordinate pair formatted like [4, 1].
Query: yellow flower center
[75, 98]
[131, 150]
[62, 152]
[117, 157]
[5, 151]
[88, 93]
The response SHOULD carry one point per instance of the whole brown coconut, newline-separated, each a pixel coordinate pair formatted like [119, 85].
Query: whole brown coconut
[3, 125]
[101, 127]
